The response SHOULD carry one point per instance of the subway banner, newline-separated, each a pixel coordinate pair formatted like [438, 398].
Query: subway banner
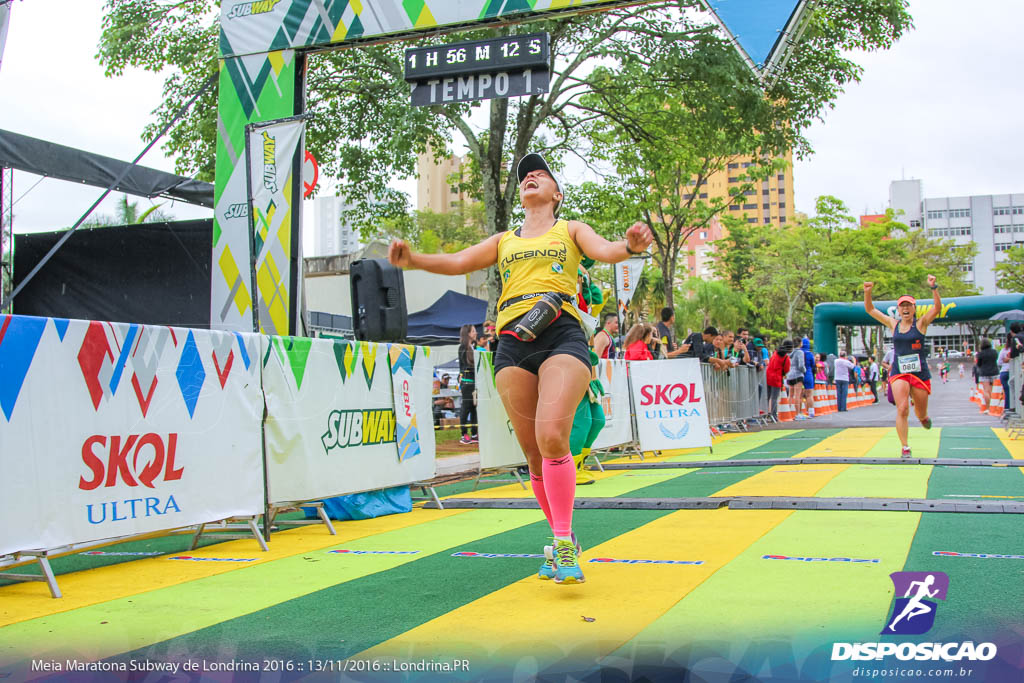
[671, 412]
[254, 88]
[271, 153]
[498, 444]
[331, 427]
[618, 426]
[113, 429]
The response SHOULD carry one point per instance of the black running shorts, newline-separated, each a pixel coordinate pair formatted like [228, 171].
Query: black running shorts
[564, 336]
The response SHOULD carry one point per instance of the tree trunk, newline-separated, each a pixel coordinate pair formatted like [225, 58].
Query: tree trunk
[668, 276]
[496, 206]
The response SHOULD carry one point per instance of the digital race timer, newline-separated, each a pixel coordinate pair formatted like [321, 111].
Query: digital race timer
[506, 54]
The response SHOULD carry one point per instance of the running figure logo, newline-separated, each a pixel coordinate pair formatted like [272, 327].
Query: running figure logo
[914, 613]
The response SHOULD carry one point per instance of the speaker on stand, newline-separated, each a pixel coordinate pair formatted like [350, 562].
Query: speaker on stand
[378, 301]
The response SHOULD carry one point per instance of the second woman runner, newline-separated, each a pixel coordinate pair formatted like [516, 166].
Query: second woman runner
[909, 377]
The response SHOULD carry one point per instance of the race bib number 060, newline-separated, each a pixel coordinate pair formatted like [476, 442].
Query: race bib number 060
[909, 363]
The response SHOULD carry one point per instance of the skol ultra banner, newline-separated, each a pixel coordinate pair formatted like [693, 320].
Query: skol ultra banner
[407, 431]
[618, 426]
[252, 88]
[498, 444]
[671, 411]
[331, 426]
[111, 429]
[627, 275]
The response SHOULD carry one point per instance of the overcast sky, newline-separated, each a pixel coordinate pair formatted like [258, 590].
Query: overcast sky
[944, 105]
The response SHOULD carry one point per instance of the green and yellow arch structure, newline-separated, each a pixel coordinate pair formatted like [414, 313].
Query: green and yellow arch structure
[263, 47]
[956, 309]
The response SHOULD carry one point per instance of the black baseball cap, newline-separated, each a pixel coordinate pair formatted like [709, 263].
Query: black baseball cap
[535, 162]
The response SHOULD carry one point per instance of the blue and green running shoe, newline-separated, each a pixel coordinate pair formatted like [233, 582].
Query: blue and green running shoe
[567, 568]
[547, 570]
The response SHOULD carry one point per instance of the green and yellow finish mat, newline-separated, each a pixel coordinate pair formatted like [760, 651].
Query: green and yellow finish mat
[676, 595]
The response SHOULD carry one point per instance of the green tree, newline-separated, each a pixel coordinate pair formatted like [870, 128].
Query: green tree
[1010, 271]
[432, 233]
[710, 302]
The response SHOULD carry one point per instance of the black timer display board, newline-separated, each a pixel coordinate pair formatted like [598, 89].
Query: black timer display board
[497, 67]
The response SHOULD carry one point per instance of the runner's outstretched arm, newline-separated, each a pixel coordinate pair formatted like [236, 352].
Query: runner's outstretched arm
[869, 306]
[936, 308]
[638, 238]
[468, 260]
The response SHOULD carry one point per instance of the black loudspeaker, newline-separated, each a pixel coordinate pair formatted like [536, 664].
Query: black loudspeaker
[378, 301]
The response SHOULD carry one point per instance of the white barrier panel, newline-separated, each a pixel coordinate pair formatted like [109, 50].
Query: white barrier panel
[618, 426]
[331, 426]
[671, 411]
[498, 444]
[111, 429]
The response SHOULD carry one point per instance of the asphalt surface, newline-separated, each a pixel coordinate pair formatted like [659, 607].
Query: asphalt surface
[948, 405]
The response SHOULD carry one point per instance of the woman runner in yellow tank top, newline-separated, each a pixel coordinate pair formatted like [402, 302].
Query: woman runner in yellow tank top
[540, 379]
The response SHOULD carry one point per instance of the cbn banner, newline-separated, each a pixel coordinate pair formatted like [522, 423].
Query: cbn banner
[271, 153]
[618, 426]
[331, 426]
[627, 275]
[671, 411]
[114, 429]
[498, 444]
[407, 432]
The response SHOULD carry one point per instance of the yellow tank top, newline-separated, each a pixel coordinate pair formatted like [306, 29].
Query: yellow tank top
[548, 263]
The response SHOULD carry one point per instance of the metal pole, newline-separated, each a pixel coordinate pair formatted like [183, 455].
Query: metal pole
[253, 294]
[618, 308]
[6, 231]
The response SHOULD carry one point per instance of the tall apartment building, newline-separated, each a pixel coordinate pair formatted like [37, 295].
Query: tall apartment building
[433, 190]
[332, 234]
[771, 200]
[769, 203]
[994, 222]
[699, 245]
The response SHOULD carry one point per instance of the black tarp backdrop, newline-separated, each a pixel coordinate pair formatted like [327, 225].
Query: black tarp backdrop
[151, 273]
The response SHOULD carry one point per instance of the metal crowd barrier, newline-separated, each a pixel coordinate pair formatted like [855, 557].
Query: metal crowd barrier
[732, 396]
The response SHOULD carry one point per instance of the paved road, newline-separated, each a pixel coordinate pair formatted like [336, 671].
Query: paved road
[949, 405]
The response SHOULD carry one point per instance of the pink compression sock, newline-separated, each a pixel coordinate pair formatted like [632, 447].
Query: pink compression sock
[560, 487]
[537, 483]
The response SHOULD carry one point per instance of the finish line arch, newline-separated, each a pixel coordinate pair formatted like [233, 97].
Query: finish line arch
[263, 47]
[954, 310]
